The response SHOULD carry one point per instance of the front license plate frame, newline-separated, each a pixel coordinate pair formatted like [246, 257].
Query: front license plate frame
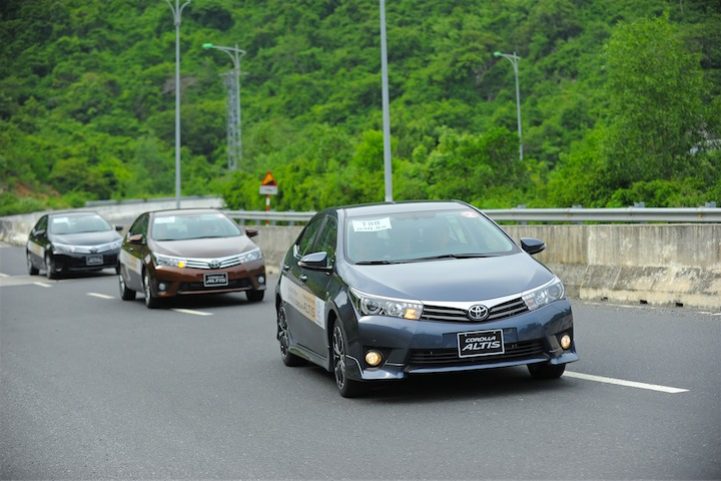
[481, 343]
[94, 260]
[219, 279]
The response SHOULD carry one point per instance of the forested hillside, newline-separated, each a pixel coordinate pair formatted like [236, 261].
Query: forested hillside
[621, 101]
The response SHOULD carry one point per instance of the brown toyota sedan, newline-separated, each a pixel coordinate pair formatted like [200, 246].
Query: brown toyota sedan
[189, 251]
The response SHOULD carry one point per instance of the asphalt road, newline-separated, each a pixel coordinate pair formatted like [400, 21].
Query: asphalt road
[94, 387]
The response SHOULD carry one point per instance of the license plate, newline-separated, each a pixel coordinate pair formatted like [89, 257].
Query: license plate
[214, 280]
[94, 260]
[480, 343]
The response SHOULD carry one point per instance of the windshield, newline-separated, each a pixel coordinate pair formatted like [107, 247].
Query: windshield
[78, 224]
[193, 226]
[420, 236]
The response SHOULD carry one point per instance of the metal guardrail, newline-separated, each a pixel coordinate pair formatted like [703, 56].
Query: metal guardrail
[573, 214]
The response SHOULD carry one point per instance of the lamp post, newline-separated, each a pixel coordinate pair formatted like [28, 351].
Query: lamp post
[513, 58]
[386, 114]
[177, 13]
[235, 55]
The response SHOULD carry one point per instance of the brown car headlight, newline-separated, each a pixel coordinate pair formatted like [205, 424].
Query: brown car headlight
[372, 305]
[169, 261]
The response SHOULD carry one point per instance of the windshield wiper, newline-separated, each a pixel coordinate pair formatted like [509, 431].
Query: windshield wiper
[464, 255]
[375, 263]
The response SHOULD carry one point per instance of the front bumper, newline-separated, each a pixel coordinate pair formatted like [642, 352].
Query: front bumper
[174, 281]
[66, 262]
[425, 347]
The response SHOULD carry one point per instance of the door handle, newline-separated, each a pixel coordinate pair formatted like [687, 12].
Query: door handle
[286, 267]
[303, 277]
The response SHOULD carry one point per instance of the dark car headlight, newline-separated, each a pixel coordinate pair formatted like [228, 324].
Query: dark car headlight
[546, 294]
[63, 248]
[372, 305]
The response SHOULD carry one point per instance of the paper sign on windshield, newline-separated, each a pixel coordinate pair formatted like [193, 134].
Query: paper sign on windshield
[371, 225]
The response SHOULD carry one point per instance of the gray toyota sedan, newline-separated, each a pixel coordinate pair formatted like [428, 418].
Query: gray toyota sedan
[385, 291]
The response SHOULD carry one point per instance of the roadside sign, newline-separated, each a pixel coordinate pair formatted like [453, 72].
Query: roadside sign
[268, 179]
[268, 190]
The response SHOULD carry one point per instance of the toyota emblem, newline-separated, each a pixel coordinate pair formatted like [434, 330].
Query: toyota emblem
[214, 264]
[478, 312]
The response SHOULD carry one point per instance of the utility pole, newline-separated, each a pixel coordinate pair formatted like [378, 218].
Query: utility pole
[514, 61]
[388, 174]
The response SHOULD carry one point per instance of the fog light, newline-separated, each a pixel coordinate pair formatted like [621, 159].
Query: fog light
[565, 341]
[261, 279]
[373, 358]
[162, 286]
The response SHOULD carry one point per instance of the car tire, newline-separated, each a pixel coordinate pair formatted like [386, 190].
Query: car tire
[254, 296]
[151, 302]
[348, 388]
[288, 358]
[546, 371]
[125, 293]
[32, 270]
[50, 271]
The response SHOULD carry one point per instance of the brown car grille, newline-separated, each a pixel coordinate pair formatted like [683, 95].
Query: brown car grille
[515, 350]
[501, 311]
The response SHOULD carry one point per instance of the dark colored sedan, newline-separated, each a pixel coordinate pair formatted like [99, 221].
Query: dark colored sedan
[381, 292]
[189, 251]
[76, 241]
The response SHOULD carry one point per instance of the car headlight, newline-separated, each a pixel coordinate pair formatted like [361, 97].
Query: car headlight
[63, 248]
[169, 261]
[115, 244]
[252, 255]
[544, 295]
[370, 305]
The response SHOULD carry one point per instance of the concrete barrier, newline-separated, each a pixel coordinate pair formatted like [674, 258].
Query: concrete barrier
[657, 264]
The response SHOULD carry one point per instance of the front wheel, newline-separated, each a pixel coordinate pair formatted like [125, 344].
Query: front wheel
[32, 270]
[254, 296]
[50, 271]
[546, 371]
[347, 387]
[125, 293]
[151, 302]
[289, 359]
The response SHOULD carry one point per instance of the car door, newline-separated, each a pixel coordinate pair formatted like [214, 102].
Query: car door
[37, 241]
[299, 303]
[133, 251]
[315, 282]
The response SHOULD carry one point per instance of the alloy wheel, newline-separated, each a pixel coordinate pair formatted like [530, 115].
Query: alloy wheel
[339, 357]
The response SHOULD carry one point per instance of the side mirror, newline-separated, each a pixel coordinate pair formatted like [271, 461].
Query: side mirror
[531, 245]
[317, 261]
[136, 239]
[118, 228]
[251, 232]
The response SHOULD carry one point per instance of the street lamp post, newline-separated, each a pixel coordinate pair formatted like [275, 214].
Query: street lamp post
[177, 13]
[386, 113]
[513, 58]
[235, 55]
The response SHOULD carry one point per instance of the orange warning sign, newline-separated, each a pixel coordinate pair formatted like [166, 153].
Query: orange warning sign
[268, 179]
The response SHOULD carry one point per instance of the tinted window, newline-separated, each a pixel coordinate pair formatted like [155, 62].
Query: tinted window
[193, 226]
[410, 236]
[306, 238]
[78, 224]
[326, 239]
[42, 224]
[140, 226]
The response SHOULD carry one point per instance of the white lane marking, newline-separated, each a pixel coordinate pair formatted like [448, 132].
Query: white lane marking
[193, 312]
[622, 382]
[101, 296]
[42, 284]
[3, 275]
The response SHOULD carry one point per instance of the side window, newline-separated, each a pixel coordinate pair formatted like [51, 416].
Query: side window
[306, 239]
[140, 226]
[326, 240]
[42, 224]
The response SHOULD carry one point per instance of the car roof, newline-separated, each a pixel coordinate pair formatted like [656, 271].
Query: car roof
[199, 210]
[71, 212]
[399, 207]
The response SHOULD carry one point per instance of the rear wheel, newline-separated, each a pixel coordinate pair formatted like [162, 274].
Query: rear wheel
[289, 359]
[255, 296]
[347, 387]
[32, 270]
[125, 293]
[50, 271]
[546, 370]
[151, 302]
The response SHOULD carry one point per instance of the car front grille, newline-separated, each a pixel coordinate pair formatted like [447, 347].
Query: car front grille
[501, 311]
[221, 263]
[515, 350]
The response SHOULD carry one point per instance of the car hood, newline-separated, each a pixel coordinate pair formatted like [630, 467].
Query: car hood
[86, 238]
[451, 280]
[204, 248]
